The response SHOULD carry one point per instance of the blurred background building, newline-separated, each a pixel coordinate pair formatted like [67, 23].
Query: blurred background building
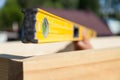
[101, 15]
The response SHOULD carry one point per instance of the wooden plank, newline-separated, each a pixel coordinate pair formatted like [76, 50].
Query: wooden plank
[103, 64]
[15, 70]
[79, 65]
[105, 42]
[20, 49]
[10, 70]
[3, 69]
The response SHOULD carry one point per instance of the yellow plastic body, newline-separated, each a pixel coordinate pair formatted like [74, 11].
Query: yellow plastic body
[59, 29]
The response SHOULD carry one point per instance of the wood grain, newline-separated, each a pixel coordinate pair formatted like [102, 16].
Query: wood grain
[79, 65]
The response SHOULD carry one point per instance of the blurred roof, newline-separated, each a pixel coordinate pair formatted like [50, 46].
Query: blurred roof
[86, 18]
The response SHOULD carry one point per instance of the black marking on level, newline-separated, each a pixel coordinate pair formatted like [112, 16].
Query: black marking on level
[75, 32]
[28, 29]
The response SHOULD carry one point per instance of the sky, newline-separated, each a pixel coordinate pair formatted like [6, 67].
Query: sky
[2, 2]
[102, 2]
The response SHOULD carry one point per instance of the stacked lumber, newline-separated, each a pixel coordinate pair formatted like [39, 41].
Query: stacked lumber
[99, 64]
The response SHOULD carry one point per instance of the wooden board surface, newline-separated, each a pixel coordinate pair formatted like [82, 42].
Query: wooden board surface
[105, 42]
[3, 69]
[101, 64]
[20, 49]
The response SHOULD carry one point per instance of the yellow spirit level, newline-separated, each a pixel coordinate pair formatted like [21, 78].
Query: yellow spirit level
[40, 26]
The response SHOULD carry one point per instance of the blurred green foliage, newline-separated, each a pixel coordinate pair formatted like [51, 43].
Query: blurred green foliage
[92, 5]
[11, 12]
[67, 4]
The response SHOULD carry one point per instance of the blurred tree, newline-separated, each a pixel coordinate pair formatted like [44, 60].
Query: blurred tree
[70, 4]
[40, 3]
[48, 3]
[52, 4]
[116, 7]
[75, 4]
[66, 4]
[9, 14]
[111, 9]
[92, 5]
[22, 3]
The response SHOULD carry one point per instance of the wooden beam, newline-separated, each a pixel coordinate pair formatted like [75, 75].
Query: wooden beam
[3, 69]
[101, 64]
[20, 49]
[105, 42]
[79, 65]
[10, 69]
